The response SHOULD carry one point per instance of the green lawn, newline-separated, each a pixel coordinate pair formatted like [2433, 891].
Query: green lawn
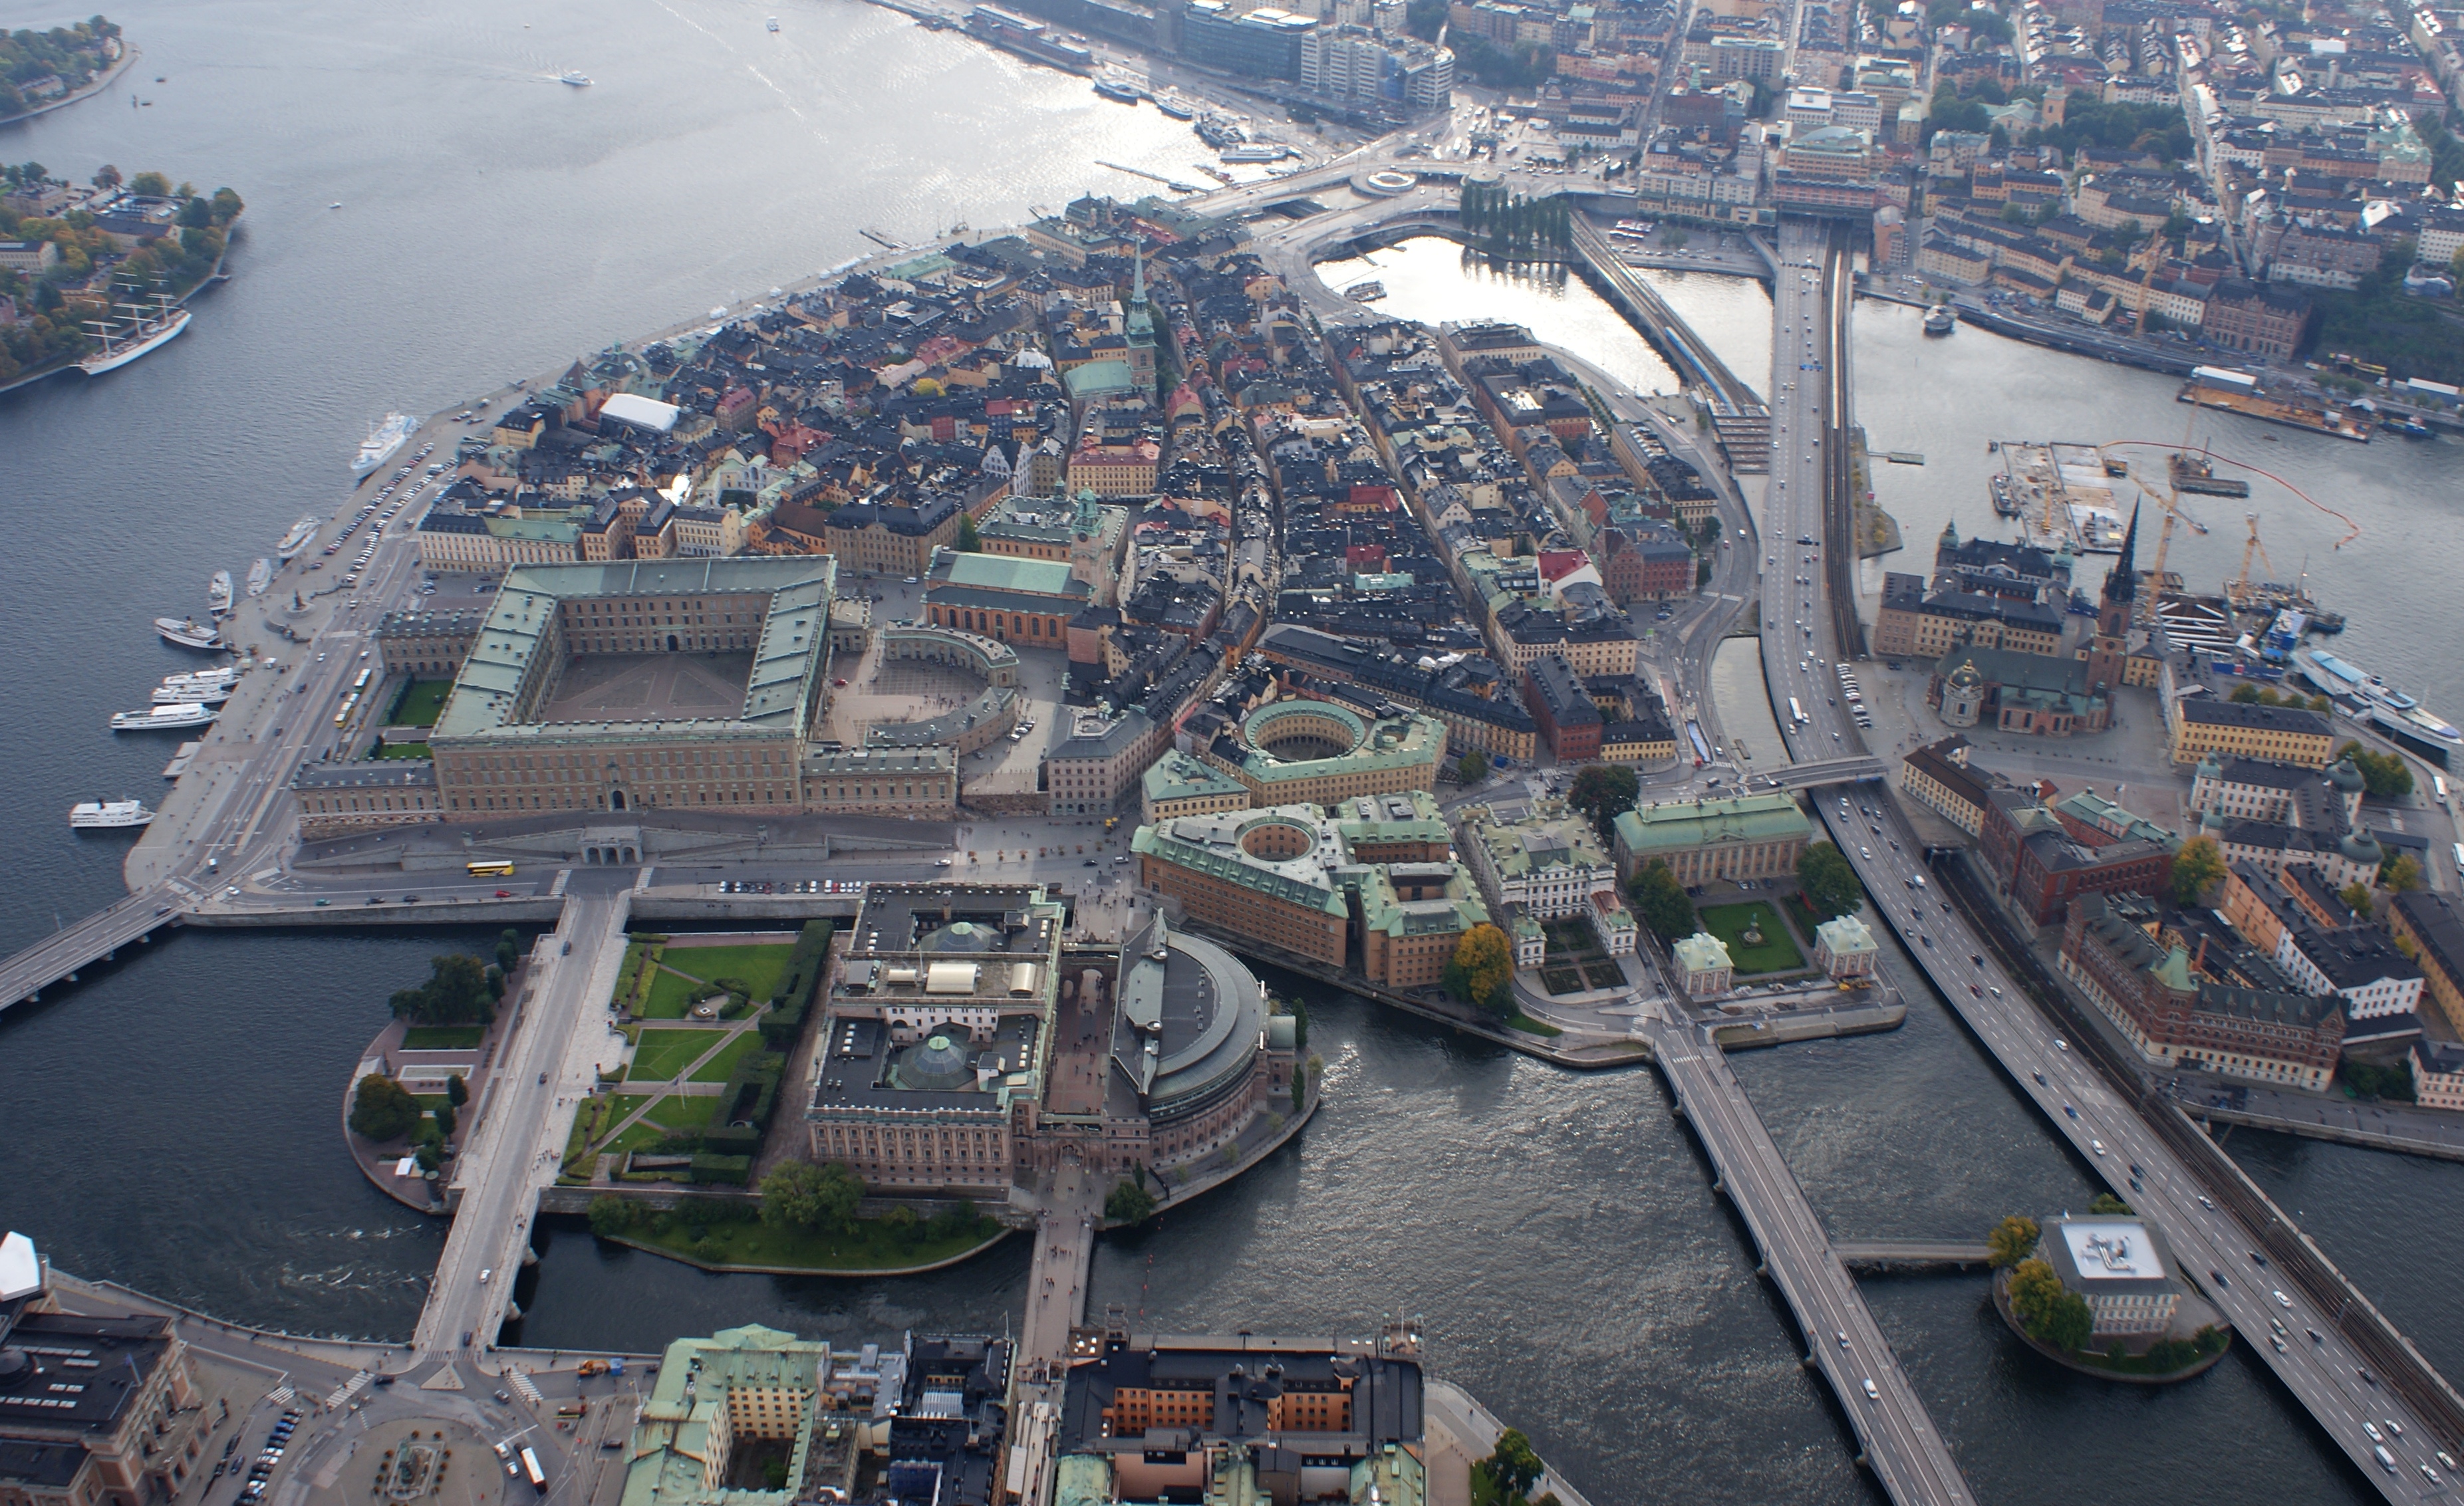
[672, 996]
[869, 1246]
[401, 751]
[678, 1112]
[664, 1053]
[641, 1137]
[425, 703]
[443, 1037]
[757, 967]
[719, 1068]
[1525, 1023]
[1777, 952]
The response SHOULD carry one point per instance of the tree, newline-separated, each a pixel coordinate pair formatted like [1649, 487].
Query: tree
[509, 949]
[1128, 1203]
[2199, 867]
[150, 185]
[1482, 972]
[1829, 885]
[108, 177]
[456, 992]
[1603, 792]
[970, 541]
[2401, 872]
[447, 1121]
[383, 1109]
[2109, 1206]
[2386, 776]
[611, 1216]
[1473, 767]
[2012, 1240]
[1515, 1467]
[1662, 903]
[456, 1091]
[2069, 1323]
[2356, 896]
[802, 1195]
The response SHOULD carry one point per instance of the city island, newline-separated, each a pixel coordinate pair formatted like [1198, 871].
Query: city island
[921, 735]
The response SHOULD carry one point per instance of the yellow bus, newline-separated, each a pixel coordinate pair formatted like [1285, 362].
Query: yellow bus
[499, 869]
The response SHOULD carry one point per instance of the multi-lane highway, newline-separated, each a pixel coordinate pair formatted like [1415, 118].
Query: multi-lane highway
[2204, 1212]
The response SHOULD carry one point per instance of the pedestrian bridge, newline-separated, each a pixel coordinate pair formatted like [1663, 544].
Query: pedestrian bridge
[1911, 1254]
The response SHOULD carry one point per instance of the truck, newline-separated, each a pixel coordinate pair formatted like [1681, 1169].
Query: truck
[532, 1471]
[593, 1367]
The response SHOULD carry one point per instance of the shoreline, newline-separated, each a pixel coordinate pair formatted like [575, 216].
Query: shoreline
[723, 1268]
[130, 53]
[214, 275]
[2001, 1293]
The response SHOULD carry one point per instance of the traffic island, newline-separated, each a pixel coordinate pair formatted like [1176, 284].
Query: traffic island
[2097, 1295]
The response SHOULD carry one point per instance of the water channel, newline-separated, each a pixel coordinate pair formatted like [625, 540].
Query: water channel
[173, 1121]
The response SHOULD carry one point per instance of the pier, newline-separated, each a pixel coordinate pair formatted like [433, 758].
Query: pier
[1900, 1442]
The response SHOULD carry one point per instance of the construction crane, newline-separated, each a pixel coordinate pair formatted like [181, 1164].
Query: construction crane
[2239, 586]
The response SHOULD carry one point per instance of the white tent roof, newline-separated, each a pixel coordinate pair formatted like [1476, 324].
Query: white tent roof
[631, 407]
[21, 1269]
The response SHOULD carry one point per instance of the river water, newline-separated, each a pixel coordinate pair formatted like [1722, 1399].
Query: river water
[173, 1121]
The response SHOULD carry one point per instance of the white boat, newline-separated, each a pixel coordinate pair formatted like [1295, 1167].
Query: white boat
[218, 593]
[1258, 152]
[183, 694]
[2366, 695]
[774, 23]
[303, 535]
[108, 815]
[142, 339]
[260, 575]
[384, 436]
[1940, 320]
[187, 633]
[164, 718]
[576, 78]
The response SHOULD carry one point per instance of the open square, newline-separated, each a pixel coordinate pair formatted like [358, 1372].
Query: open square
[1776, 952]
[646, 687]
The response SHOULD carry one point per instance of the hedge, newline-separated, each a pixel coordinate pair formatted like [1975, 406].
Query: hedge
[737, 1170]
[796, 987]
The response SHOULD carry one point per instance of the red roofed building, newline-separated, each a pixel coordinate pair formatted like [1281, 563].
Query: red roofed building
[1368, 497]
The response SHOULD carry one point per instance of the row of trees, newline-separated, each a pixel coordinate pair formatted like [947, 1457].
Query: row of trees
[1502, 222]
[2385, 777]
[460, 991]
[1509, 1471]
[72, 54]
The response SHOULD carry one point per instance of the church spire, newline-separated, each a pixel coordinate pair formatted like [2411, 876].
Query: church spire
[2121, 582]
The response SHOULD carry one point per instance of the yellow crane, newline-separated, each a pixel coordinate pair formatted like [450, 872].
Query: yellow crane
[2240, 583]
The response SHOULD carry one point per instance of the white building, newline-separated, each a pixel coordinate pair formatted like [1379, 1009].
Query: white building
[2117, 1265]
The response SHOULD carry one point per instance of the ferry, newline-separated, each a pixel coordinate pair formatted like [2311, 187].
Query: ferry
[202, 679]
[261, 576]
[164, 718]
[183, 694]
[1940, 320]
[186, 633]
[108, 815]
[1174, 106]
[218, 594]
[576, 78]
[2371, 698]
[1256, 152]
[145, 338]
[303, 535]
[384, 436]
[1366, 292]
[1115, 89]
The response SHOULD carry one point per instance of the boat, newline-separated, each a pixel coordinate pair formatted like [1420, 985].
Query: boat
[1256, 152]
[2006, 501]
[218, 593]
[2367, 697]
[384, 436]
[576, 78]
[2195, 473]
[1174, 106]
[1940, 320]
[187, 633]
[202, 681]
[145, 338]
[303, 535]
[2410, 428]
[774, 23]
[108, 815]
[182, 694]
[164, 718]
[1366, 292]
[1115, 89]
[260, 575]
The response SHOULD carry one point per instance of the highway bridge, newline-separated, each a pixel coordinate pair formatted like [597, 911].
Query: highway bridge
[2228, 1238]
[60, 956]
[1900, 1444]
[1820, 773]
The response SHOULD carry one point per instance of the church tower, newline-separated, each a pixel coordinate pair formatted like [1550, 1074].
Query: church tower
[2121, 602]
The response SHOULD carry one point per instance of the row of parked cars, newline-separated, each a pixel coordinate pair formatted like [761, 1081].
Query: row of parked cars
[266, 1457]
[790, 886]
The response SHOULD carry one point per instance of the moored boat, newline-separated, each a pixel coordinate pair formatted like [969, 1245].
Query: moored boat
[142, 338]
[384, 436]
[2366, 696]
[108, 815]
[183, 694]
[164, 718]
[218, 593]
[302, 534]
[1940, 320]
[260, 575]
[1174, 106]
[187, 633]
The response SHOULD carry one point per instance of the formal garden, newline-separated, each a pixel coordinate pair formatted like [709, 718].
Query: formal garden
[1759, 942]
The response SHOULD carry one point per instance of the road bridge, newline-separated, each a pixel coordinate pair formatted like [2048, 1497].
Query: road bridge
[1901, 1442]
[1820, 773]
[1738, 415]
[2213, 1218]
[550, 1061]
[58, 957]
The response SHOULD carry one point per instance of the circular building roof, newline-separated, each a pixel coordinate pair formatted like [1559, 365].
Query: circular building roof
[936, 1062]
[962, 936]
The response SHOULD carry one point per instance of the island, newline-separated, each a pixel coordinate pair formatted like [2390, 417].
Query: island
[2098, 1294]
[97, 271]
[42, 71]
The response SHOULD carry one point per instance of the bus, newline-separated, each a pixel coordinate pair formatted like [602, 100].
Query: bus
[2459, 857]
[2438, 787]
[494, 868]
[362, 683]
[531, 1470]
[572, 1410]
[1795, 713]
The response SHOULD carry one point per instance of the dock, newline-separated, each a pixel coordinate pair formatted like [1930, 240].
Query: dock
[2270, 409]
